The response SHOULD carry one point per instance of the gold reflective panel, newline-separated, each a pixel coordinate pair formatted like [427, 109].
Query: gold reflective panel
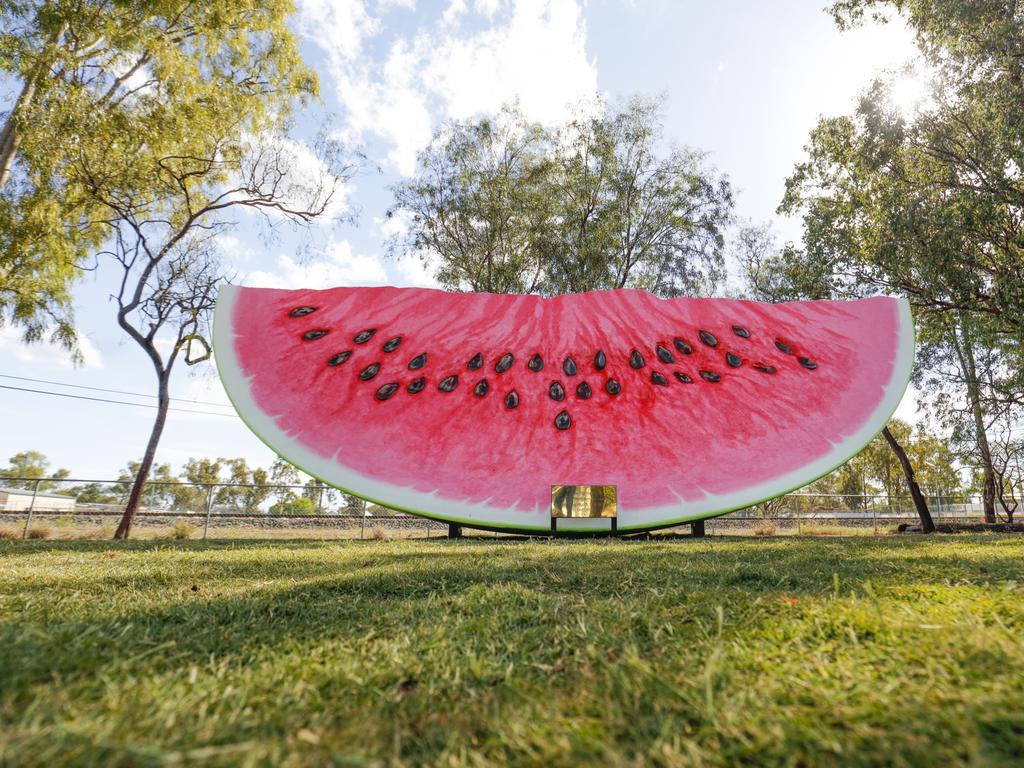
[583, 501]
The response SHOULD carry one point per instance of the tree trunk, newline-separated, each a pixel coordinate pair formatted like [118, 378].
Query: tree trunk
[974, 397]
[164, 400]
[927, 526]
[10, 136]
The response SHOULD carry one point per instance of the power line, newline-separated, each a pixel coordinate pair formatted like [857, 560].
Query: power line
[111, 391]
[106, 400]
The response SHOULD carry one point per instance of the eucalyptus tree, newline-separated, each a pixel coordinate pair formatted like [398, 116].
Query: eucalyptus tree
[929, 205]
[88, 72]
[30, 469]
[164, 241]
[159, 123]
[506, 205]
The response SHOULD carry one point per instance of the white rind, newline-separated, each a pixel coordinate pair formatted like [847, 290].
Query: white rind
[432, 505]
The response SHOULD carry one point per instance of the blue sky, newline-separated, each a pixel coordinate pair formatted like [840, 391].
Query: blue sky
[745, 82]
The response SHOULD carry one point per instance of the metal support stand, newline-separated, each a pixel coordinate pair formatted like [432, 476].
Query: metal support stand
[697, 528]
[209, 510]
[31, 507]
[454, 531]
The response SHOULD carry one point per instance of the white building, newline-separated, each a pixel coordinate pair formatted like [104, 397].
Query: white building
[19, 499]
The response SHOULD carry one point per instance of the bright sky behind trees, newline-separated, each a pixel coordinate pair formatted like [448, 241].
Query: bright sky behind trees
[744, 80]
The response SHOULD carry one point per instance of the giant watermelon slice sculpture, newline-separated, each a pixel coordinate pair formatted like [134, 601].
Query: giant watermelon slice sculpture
[470, 407]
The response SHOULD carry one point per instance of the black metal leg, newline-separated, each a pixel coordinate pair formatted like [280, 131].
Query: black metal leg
[454, 531]
[697, 528]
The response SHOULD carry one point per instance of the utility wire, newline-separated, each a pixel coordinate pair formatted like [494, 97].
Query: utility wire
[106, 400]
[111, 391]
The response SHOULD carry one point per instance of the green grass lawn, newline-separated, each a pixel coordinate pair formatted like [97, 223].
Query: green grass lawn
[725, 651]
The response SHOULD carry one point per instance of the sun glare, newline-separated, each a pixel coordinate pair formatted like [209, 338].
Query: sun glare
[910, 92]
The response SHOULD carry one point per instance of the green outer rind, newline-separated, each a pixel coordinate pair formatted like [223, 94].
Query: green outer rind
[220, 323]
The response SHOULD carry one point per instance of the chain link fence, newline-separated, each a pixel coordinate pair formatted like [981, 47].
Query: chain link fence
[239, 509]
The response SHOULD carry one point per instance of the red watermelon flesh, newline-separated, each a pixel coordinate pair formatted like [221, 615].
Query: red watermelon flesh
[722, 403]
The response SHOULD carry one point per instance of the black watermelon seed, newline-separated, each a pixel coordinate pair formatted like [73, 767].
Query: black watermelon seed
[448, 383]
[562, 420]
[392, 344]
[416, 385]
[583, 391]
[708, 338]
[569, 366]
[636, 360]
[556, 391]
[481, 388]
[339, 358]
[664, 355]
[386, 391]
[302, 311]
[714, 378]
[600, 361]
[807, 363]
[364, 336]
[369, 371]
[512, 400]
[612, 387]
[733, 360]
[504, 363]
[682, 347]
[657, 378]
[418, 362]
[315, 334]
[536, 363]
[764, 368]
[683, 377]
[740, 331]
[475, 362]
[783, 347]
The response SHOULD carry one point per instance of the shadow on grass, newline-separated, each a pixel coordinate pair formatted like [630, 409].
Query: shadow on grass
[198, 608]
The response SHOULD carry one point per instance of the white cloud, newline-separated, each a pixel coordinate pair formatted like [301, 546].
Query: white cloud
[415, 273]
[530, 50]
[10, 342]
[339, 265]
[538, 56]
[410, 268]
[337, 27]
[454, 10]
[487, 8]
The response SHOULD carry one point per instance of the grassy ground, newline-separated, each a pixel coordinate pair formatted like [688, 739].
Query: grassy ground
[725, 651]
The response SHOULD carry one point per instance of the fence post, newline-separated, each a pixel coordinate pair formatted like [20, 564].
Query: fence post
[319, 500]
[799, 515]
[31, 507]
[874, 518]
[209, 510]
[362, 523]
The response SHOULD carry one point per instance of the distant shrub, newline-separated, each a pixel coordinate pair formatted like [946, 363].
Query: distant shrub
[9, 533]
[39, 532]
[765, 528]
[297, 506]
[182, 529]
[378, 533]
